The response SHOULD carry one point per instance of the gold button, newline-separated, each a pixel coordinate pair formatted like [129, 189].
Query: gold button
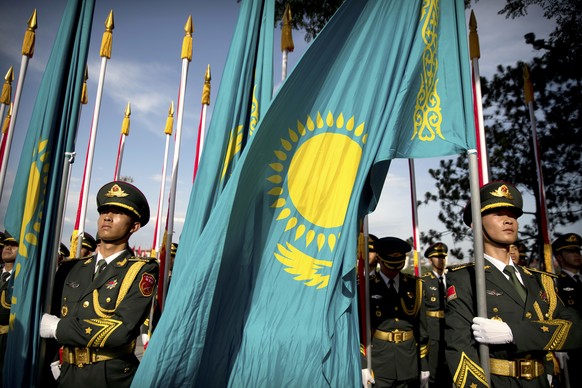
[495, 309]
[396, 319]
[108, 300]
[64, 311]
[65, 299]
[528, 315]
[546, 315]
[86, 304]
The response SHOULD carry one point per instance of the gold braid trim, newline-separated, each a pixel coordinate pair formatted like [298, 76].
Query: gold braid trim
[3, 301]
[125, 285]
[538, 311]
[466, 367]
[560, 333]
[108, 326]
[423, 351]
[550, 289]
[418, 300]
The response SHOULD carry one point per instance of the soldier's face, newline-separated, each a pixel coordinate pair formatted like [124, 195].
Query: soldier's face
[571, 259]
[9, 253]
[439, 263]
[500, 227]
[115, 225]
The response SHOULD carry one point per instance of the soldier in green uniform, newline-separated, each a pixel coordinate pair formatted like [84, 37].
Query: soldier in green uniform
[525, 318]
[9, 252]
[398, 320]
[105, 297]
[434, 300]
[88, 246]
[566, 249]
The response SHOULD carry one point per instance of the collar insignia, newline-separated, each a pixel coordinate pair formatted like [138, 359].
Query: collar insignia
[122, 263]
[502, 191]
[116, 191]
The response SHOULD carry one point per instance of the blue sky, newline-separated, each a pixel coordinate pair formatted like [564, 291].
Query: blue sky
[145, 70]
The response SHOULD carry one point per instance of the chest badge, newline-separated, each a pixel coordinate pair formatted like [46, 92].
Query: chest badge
[73, 284]
[110, 285]
[494, 293]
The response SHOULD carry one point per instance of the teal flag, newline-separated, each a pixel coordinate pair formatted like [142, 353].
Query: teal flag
[267, 295]
[32, 215]
[244, 94]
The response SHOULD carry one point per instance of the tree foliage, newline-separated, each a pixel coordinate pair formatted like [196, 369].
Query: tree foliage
[308, 15]
[557, 83]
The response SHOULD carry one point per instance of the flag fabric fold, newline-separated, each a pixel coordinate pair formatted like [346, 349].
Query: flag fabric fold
[266, 296]
[243, 96]
[33, 206]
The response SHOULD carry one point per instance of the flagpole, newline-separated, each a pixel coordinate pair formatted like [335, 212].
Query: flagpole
[202, 125]
[479, 254]
[367, 296]
[121, 147]
[27, 53]
[158, 230]
[105, 53]
[287, 45]
[186, 58]
[415, 236]
[475, 54]
[543, 211]
[6, 96]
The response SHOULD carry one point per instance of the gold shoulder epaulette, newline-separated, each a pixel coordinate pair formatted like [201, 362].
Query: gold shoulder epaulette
[70, 259]
[460, 266]
[526, 270]
[139, 258]
[428, 275]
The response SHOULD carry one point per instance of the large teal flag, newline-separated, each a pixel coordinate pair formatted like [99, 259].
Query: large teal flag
[267, 295]
[245, 92]
[33, 207]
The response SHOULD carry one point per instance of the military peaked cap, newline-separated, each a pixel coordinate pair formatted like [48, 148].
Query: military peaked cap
[438, 249]
[392, 251]
[126, 196]
[496, 195]
[567, 241]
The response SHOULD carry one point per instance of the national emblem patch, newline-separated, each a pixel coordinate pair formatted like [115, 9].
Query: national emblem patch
[147, 284]
[451, 293]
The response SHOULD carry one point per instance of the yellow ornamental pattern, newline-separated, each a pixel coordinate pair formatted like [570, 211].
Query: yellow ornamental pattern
[427, 113]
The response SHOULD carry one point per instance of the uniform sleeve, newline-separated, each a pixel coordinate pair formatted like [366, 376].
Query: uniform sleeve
[461, 348]
[554, 327]
[119, 327]
[423, 331]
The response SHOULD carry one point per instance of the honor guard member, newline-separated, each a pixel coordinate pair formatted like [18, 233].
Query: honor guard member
[566, 250]
[88, 246]
[63, 253]
[398, 321]
[9, 252]
[434, 300]
[105, 298]
[525, 318]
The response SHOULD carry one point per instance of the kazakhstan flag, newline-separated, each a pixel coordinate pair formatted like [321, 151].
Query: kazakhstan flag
[32, 215]
[268, 295]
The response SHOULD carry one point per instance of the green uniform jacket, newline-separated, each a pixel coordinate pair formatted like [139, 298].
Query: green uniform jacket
[105, 312]
[539, 325]
[398, 361]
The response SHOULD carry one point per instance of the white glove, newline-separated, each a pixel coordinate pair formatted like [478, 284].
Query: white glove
[56, 369]
[424, 375]
[562, 357]
[367, 378]
[48, 326]
[489, 331]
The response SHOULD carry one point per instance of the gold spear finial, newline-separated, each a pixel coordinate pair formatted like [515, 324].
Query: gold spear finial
[84, 97]
[6, 95]
[527, 86]
[206, 87]
[286, 35]
[474, 50]
[107, 37]
[170, 120]
[125, 123]
[187, 42]
[6, 123]
[29, 36]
